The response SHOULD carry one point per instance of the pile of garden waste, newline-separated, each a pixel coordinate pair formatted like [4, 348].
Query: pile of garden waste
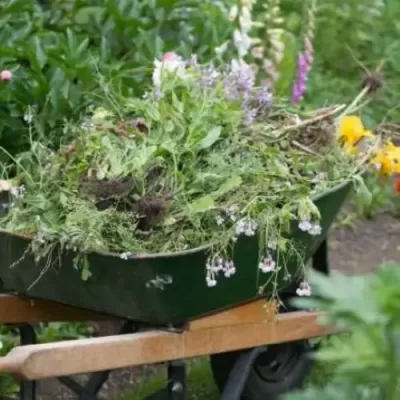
[205, 156]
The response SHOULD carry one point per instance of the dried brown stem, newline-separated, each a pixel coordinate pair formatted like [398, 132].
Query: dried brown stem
[309, 121]
[301, 147]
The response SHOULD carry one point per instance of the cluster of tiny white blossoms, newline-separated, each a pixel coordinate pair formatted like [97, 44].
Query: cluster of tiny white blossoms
[17, 191]
[246, 226]
[304, 290]
[28, 116]
[313, 228]
[228, 214]
[267, 264]
[216, 266]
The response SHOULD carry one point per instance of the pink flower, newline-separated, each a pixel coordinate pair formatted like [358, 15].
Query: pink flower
[170, 56]
[5, 75]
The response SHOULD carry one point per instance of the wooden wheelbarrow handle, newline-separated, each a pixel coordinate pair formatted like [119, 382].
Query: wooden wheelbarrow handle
[71, 357]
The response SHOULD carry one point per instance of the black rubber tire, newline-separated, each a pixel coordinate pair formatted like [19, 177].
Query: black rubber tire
[259, 387]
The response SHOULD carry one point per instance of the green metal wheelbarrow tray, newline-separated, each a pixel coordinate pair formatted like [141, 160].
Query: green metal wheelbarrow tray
[159, 289]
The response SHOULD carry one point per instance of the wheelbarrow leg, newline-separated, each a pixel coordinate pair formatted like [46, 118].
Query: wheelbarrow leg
[176, 388]
[177, 380]
[239, 374]
[27, 335]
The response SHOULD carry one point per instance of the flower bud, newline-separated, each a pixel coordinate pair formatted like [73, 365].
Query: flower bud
[6, 76]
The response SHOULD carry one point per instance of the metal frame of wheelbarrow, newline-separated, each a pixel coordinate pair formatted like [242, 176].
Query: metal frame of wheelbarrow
[249, 327]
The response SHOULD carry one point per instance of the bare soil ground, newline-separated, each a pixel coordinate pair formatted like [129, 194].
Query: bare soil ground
[370, 243]
[356, 250]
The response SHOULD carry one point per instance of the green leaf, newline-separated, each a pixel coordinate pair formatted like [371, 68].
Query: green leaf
[203, 204]
[212, 136]
[228, 185]
[364, 195]
[169, 221]
[85, 15]
[63, 199]
[40, 56]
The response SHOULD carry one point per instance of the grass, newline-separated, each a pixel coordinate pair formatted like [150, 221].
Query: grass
[201, 385]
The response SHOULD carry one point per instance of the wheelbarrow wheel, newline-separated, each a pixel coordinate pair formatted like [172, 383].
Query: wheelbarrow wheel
[279, 370]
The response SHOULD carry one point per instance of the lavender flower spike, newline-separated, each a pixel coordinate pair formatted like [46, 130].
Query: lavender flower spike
[300, 85]
[305, 59]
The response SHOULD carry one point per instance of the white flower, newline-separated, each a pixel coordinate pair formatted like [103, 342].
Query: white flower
[28, 116]
[211, 282]
[233, 13]
[229, 268]
[267, 264]
[305, 225]
[231, 212]
[242, 42]
[272, 244]
[304, 289]
[215, 266]
[245, 20]
[315, 229]
[170, 62]
[220, 221]
[245, 226]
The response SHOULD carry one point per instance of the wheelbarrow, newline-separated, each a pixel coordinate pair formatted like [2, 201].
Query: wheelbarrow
[170, 316]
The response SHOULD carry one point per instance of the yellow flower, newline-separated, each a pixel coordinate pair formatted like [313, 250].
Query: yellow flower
[387, 159]
[351, 131]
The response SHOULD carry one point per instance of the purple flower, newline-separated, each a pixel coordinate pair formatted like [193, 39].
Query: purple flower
[251, 115]
[264, 96]
[209, 76]
[239, 81]
[303, 68]
[302, 64]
